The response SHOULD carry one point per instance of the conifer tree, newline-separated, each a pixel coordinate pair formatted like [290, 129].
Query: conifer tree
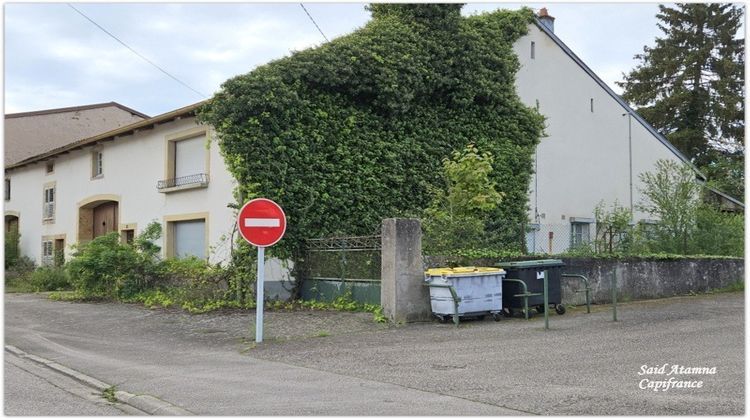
[690, 85]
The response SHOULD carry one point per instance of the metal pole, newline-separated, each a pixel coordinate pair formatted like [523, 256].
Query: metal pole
[614, 295]
[259, 296]
[546, 303]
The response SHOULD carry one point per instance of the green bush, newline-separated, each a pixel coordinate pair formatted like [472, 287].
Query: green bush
[49, 279]
[103, 266]
[12, 250]
[106, 267]
[354, 131]
[718, 233]
[17, 276]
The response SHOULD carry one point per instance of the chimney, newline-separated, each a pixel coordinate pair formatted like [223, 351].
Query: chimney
[546, 19]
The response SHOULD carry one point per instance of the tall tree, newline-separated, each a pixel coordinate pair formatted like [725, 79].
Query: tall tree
[690, 85]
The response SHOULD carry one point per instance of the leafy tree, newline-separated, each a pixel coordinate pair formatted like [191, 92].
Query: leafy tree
[726, 172]
[354, 131]
[612, 228]
[690, 85]
[672, 196]
[457, 215]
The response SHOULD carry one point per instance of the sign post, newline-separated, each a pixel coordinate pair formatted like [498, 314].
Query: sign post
[262, 223]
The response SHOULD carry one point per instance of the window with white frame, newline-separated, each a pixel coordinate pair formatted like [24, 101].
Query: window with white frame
[96, 164]
[48, 211]
[48, 253]
[579, 233]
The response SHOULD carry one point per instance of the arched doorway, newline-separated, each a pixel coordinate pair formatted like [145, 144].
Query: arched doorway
[11, 223]
[97, 216]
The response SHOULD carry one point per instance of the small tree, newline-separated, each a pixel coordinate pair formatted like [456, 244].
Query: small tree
[671, 195]
[612, 228]
[457, 215]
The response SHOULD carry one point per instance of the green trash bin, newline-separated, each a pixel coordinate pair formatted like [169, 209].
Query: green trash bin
[532, 273]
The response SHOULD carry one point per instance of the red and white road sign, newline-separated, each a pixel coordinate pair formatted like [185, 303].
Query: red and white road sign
[261, 222]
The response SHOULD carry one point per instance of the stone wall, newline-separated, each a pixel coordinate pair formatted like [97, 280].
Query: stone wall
[641, 278]
[637, 278]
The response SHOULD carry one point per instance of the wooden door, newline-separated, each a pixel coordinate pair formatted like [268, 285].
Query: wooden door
[105, 218]
[11, 224]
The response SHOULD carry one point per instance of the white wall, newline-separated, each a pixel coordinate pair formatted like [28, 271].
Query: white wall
[132, 166]
[584, 158]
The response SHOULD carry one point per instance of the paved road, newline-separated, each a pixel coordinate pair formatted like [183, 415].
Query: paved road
[585, 365]
[31, 390]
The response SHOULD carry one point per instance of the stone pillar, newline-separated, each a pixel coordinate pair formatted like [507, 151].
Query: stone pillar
[402, 294]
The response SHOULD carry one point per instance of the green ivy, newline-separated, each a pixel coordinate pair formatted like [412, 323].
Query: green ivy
[354, 131]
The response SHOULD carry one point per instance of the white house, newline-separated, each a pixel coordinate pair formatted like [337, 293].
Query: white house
[596, 148]
[163, 169]
[168, 169]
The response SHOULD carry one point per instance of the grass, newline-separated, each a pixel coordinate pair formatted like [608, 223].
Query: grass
[738, 286]
[109, 394]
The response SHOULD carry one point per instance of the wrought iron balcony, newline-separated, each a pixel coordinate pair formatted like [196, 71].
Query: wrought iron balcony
[183, 182]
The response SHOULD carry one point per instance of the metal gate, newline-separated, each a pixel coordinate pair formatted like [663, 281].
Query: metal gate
[343, 265]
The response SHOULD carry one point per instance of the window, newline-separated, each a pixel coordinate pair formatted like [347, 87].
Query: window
[537, 104]
[579, 234]
[533, 50]
[7, 189]
[591, 104]
[189, 238]
[189, 157]
[50, 167]
[127, 235]
[96, 164]
[48, 211]
[48, 253]
[187, 161]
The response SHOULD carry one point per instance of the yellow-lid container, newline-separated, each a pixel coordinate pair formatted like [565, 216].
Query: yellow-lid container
[463, 270]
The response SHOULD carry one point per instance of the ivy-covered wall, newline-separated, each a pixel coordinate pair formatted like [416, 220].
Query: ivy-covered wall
[354, 131]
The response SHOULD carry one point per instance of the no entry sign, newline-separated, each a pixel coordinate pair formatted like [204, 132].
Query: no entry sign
[261, 222]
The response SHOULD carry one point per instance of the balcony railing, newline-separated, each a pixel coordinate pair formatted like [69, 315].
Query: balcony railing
[197, 180]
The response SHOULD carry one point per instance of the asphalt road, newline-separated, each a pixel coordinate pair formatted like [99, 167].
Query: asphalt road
[31, 390]
[585, 364]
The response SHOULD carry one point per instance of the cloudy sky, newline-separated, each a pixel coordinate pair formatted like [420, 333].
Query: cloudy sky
[54, 57]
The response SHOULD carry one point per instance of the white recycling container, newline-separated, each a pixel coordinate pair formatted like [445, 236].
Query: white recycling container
[479, 291]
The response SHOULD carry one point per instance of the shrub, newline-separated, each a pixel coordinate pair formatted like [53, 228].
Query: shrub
[105, 267]
[101, 267]
[49, 279]
[17, 276]
[718, 233]
[12, 250]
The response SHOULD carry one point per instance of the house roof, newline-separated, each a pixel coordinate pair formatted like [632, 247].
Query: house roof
[727, 197]
[110, 135]
[28, 134]
[617, 97]
[76, 108]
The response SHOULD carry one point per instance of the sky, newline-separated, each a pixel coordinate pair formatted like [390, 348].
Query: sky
[55, 58]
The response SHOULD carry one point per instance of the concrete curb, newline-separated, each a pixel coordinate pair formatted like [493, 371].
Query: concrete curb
[145, 403]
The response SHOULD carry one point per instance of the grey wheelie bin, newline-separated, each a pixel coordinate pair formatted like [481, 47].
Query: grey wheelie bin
[465, 291]
[532, 273]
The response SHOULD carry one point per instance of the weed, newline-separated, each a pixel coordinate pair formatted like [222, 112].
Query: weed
[322, 333]
[109, 394]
